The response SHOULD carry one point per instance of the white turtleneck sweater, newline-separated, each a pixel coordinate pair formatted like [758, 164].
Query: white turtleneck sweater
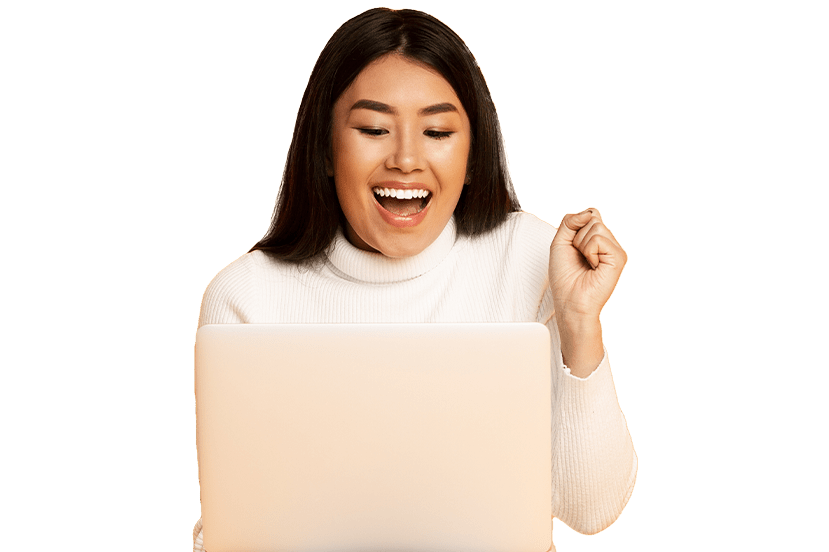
[498, 277]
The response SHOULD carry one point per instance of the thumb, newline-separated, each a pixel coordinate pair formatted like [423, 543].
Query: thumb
[570, 225]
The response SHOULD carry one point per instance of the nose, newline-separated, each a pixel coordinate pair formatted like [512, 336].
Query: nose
[407, 155]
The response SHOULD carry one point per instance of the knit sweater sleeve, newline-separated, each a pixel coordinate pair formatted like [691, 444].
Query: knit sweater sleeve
[594, 464]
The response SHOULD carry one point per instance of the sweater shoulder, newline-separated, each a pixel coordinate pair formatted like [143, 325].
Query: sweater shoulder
[530, 238]
[228, 298]
[531, 241]
[532, 229]
[241, 269]
[521, 237]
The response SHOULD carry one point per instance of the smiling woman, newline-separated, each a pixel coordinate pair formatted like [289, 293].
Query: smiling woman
[436, 68]
[396, 206]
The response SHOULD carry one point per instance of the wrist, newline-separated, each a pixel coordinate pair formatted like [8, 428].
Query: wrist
[581, 343]
[578, 322]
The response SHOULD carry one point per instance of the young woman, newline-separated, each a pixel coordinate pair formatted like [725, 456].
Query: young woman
[396, 206]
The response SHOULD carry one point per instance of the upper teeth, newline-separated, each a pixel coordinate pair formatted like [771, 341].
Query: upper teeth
[400, 194]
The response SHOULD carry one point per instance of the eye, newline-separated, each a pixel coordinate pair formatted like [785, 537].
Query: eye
[372, 131]
[438, 134]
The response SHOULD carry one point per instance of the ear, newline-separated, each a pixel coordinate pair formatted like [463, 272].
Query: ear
[329, 166]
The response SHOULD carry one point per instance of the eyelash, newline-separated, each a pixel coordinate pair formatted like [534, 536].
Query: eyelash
[436, 134]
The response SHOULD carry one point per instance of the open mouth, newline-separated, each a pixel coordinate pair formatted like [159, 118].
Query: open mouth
[402, 203]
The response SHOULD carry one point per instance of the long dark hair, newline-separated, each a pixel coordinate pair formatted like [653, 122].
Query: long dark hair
[307, 211]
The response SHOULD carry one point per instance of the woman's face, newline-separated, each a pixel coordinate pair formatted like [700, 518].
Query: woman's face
[400, 144]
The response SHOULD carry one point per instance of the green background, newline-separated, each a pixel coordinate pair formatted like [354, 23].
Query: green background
[142, 145]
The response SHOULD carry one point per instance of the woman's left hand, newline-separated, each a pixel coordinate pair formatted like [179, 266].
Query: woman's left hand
[585, 264]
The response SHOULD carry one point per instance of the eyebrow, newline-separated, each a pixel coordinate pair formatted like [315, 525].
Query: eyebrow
[380, 107]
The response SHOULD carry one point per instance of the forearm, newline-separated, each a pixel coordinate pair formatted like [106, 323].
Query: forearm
[594, 464]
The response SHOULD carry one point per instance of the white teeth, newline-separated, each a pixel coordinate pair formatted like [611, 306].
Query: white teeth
[400, 194]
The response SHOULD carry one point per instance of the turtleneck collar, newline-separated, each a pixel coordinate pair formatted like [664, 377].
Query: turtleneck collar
[366, 266]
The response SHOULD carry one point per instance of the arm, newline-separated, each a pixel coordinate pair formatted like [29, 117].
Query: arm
[198, 537]
[594, 464]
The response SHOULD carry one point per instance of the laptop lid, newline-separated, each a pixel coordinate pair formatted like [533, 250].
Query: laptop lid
[422, 437]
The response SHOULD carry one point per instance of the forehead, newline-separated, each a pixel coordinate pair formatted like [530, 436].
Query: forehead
[398, 81]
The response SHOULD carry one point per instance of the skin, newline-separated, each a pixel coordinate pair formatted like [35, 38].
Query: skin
[386, 129]
[393, 140]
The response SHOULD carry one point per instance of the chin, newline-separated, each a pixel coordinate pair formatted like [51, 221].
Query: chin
[401, 250]
[394, 243]
[400, 247]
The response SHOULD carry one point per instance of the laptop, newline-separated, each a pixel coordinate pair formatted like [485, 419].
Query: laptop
[374, 437]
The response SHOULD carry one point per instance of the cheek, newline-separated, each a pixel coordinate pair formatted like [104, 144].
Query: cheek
[352, 171]
[452, 161]
[354, 160]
